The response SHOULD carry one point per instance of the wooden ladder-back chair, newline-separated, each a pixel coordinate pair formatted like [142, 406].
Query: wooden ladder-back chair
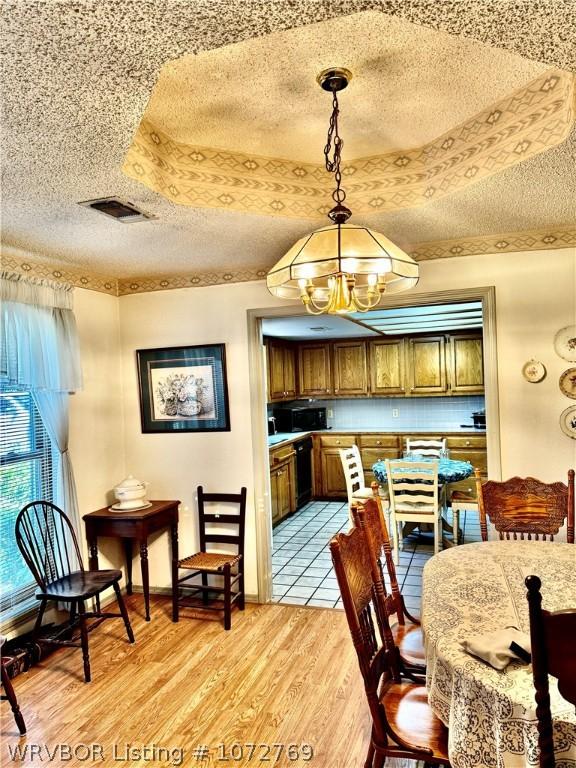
[413, 491]
[356, 487]
[368, 516]
[524, 507]
[403, 725]
[552, 645]
[229, 566]
[433, 448]
[49, 546]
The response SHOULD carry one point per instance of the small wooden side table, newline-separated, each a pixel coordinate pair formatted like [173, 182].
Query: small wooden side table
[135, 524]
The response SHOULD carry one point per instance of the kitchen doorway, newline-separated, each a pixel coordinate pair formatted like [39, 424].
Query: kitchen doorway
[329, 515]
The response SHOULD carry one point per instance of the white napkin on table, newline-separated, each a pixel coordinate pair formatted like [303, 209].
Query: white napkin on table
[494, 647]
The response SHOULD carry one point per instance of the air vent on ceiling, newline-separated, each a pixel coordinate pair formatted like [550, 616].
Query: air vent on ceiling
[117, 209]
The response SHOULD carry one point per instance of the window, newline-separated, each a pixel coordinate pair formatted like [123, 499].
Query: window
[28, 464]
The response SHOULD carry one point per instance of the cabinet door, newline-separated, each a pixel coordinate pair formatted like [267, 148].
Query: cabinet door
[274, 502]
[371, 455]
[427, 365]
[333, 481]
[289, 372]
[387, 372]
[275, 370]
[350, 368]
[284, 491]
[467, 370]
[314, 375]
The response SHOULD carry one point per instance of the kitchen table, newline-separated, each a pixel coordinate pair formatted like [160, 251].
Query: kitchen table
[478, 588]
[449, 471]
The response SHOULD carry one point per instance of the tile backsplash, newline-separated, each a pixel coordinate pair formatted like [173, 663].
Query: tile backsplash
[422, 413]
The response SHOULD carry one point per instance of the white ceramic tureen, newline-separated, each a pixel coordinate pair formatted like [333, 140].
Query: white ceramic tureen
[131, 493]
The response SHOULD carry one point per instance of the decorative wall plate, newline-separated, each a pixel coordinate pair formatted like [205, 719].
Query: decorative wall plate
[533, 371]
[567, 383]
[568, 422]
[565, 343]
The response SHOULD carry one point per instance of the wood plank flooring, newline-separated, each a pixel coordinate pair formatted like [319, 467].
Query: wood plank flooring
[282, 675]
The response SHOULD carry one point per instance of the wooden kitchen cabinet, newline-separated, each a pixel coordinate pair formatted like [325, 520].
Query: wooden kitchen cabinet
[281, 371]
[282, 483]
[314, 370]
[470, 448]
[374, 447]
[329, 475]
[350, 368]
[426, 363]
[466, 364]
[387, 366]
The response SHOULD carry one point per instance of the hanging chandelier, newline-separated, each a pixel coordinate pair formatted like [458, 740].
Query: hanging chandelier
[341, 267]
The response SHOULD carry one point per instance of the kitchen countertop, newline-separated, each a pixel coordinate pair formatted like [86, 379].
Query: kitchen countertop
[284, 438]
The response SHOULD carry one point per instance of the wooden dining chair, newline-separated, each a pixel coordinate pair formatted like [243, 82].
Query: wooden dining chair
[403, 724]
[524, 507]
[413, 492]
[227, 567]
[552, 646]
[48, 543]
[356, 487]
[10, 696]
[433, 448]
[368, 515]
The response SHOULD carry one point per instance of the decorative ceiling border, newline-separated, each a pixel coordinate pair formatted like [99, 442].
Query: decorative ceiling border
[23, 265]
[522, 125]
[550, 239]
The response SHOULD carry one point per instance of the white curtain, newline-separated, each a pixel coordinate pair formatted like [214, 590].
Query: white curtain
[40, 352]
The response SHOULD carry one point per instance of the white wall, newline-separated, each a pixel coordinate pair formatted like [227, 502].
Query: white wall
[535, 297]
[96, 412]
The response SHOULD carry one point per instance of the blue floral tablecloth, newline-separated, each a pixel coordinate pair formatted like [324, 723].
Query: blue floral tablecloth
[449, 470]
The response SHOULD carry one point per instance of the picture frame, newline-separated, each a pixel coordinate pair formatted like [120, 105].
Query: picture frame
[183, 389]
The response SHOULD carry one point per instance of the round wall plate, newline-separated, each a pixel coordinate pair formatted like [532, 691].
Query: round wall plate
[568, 422]
[565, 343]
[533, 371]
[567, 383]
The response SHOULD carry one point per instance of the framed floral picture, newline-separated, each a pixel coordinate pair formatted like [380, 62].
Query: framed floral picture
[183, 389]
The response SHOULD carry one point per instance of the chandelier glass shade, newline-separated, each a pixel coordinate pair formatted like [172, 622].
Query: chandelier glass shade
[341, 267]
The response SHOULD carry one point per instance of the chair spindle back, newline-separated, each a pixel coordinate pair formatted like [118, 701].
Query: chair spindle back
[48, 542]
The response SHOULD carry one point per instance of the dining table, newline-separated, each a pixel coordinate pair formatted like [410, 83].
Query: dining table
[479, 588]
[449, 471]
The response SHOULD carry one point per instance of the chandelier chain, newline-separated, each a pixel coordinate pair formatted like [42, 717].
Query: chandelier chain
[333, 163]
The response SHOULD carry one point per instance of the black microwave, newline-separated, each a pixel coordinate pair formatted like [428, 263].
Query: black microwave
[300, 419]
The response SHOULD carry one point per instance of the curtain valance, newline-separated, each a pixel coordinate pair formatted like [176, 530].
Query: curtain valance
[40, 349]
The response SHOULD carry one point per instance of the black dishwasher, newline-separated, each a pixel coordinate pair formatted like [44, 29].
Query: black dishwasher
[303, 471]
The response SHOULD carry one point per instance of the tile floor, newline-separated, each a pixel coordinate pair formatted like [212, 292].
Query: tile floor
[302, 566]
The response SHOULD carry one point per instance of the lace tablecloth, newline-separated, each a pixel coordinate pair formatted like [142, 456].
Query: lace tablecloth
[477, 588]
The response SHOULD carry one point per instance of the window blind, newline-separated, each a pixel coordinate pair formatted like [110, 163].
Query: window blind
[28, 466]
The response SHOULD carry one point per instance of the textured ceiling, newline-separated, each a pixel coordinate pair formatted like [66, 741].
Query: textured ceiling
[78, 75]
[261, 96]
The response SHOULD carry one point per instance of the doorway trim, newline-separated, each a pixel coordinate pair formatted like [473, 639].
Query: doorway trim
[261, 474]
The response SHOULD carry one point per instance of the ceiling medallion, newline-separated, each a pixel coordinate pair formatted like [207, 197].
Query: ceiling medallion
[341, 267]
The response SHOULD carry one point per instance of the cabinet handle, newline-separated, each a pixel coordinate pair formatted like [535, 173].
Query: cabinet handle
[327, 390]
[467, 442]
[378, 442]
[337, 442]
[335, 390]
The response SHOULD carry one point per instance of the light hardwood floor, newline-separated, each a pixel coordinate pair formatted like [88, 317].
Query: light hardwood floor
[282, 675]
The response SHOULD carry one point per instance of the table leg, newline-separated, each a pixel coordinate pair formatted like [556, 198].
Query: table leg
[128, 551]
[174, 543]
[93, 551]
[145, 576]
